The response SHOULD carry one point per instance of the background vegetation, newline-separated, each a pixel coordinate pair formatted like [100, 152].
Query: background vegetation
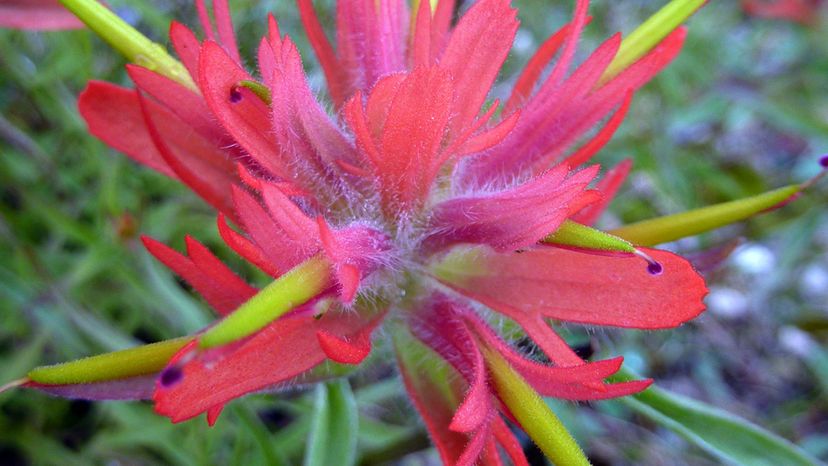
[744, 109]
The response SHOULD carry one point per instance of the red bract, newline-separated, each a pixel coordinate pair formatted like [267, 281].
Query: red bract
[36, 15]
[417, 184]
[801, 11]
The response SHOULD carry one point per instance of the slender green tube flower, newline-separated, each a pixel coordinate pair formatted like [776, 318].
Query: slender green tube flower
[125, 39]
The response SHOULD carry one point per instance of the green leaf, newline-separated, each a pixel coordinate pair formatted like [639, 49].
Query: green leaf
[381, 442]
[256, 429]
[334, 426]
[724, 435]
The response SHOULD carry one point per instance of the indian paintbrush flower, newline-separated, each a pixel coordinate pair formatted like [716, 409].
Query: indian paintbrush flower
[416, 204]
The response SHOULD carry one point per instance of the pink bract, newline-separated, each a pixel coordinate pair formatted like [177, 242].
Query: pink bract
[43, 15]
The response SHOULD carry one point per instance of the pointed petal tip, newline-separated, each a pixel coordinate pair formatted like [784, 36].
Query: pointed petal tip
[343, 351]
[472, 413]
[634, 386]
[177, 25]
[213, 414]
[168, 412]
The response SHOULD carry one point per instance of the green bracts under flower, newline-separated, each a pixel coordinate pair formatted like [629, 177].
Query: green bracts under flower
[132, 362]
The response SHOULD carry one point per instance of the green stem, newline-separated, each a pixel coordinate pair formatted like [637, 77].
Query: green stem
[534, 415]
[649, 34]
[298, 286]
[133, 45]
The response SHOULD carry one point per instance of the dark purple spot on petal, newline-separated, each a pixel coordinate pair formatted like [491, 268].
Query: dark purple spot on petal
[235, 95]
[171, 376]
[824, 161]
[652, 266]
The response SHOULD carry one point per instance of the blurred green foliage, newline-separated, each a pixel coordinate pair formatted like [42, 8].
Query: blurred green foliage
[743, 109]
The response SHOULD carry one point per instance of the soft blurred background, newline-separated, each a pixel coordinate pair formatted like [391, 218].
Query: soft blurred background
[744, 109]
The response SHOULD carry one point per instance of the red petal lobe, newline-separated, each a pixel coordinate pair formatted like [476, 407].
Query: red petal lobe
[584, 288]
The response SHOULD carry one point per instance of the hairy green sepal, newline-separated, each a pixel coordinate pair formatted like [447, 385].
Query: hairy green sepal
[296, 287]
[575, 235]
